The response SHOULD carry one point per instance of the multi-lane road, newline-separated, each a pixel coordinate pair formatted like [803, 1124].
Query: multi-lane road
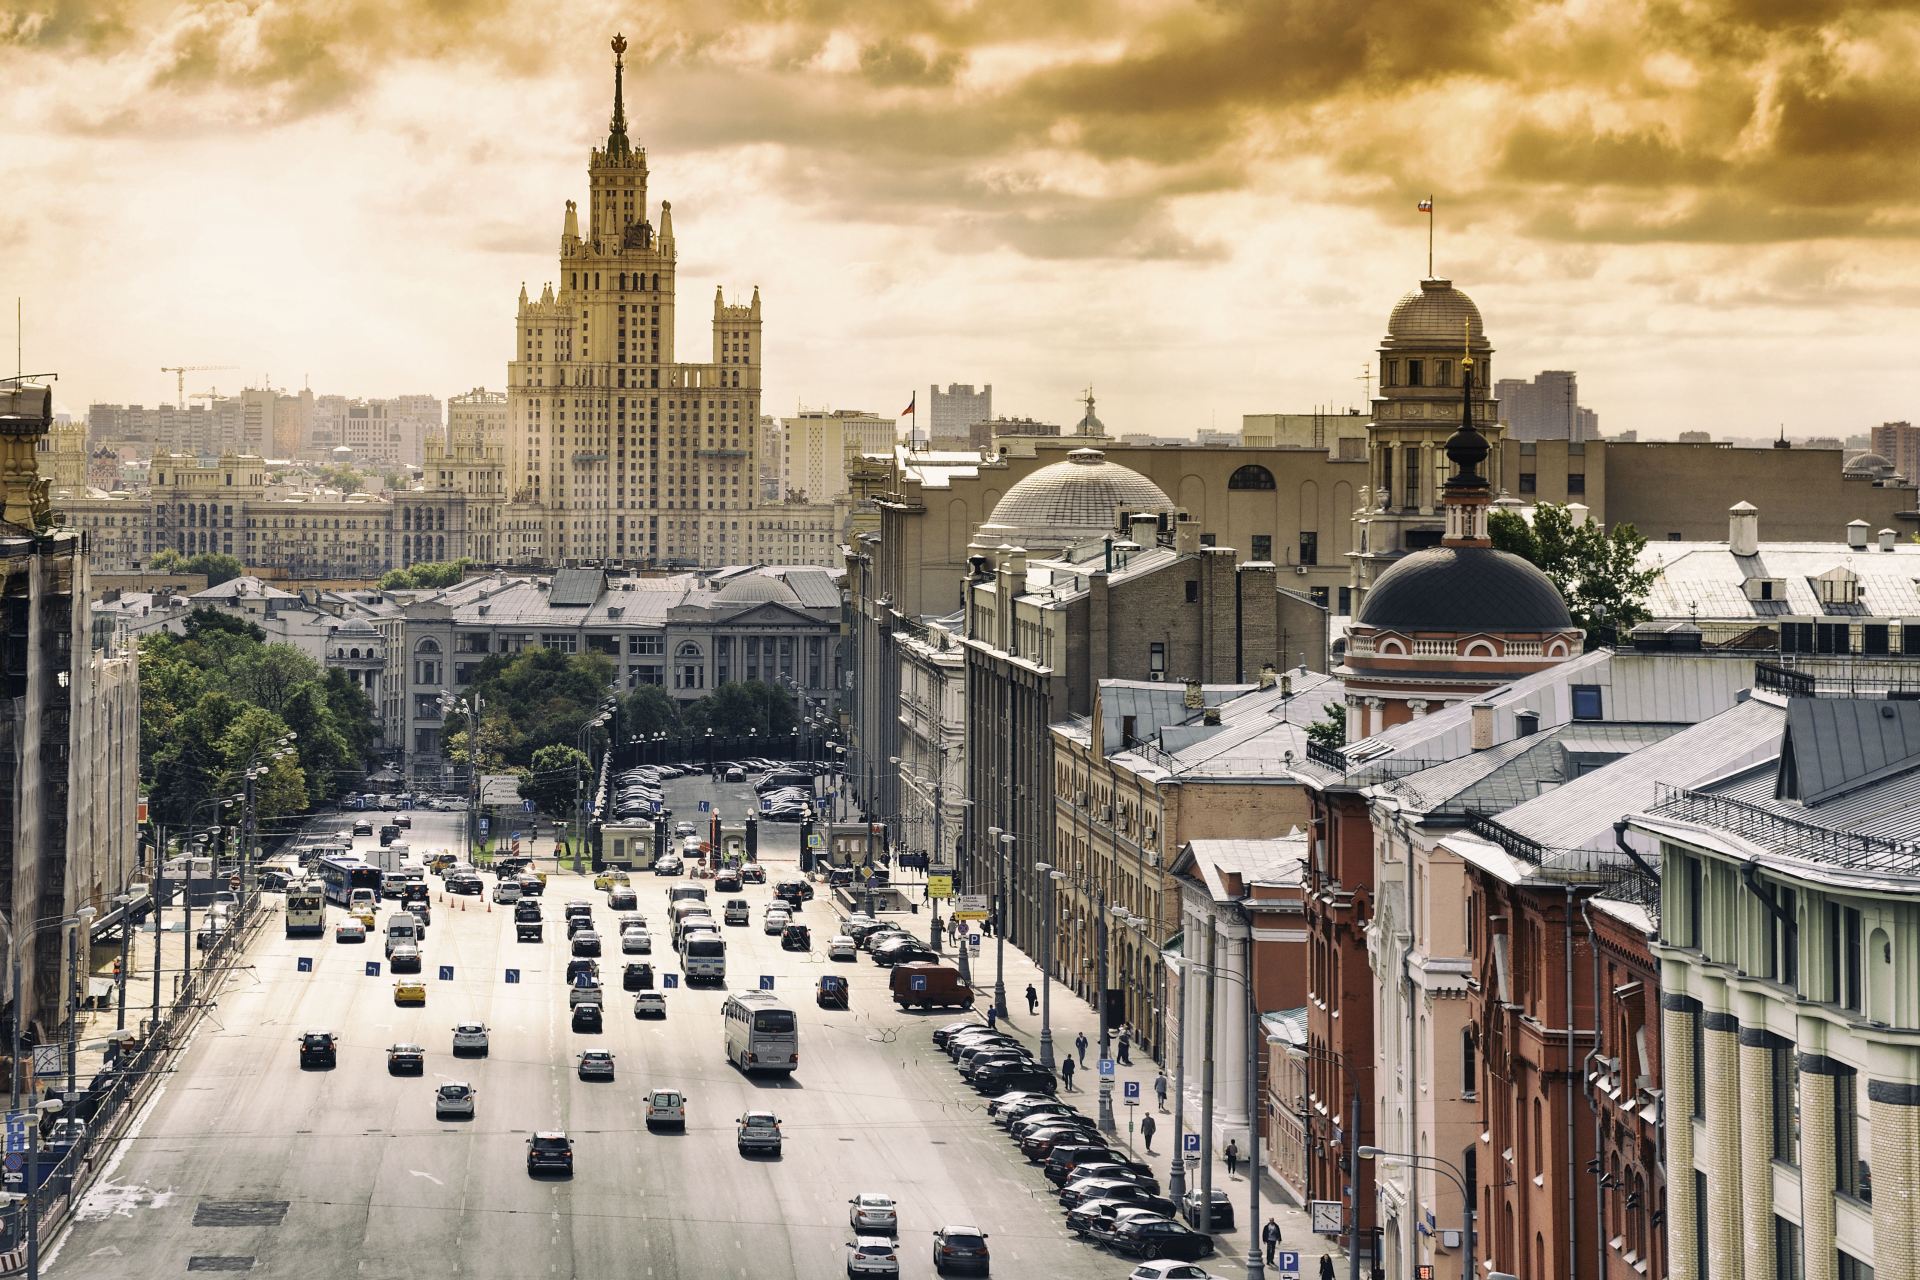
[243, 1161]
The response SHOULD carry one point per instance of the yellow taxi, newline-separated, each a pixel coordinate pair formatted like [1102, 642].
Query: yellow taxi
[410, 991]
[441, 861]
[364, 913]
[609, 878]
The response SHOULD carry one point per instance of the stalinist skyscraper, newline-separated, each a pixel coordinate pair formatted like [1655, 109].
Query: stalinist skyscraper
[615, 451]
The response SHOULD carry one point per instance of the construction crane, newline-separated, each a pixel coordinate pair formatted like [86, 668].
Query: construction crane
[180, 372]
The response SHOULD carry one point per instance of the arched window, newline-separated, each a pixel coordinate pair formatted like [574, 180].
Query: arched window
[687, 649]
[1251, 476]
[427, 645]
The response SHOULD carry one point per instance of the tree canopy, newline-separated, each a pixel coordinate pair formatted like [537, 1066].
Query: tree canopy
[551, 779]
[742, 705]
[534, 699]
[1595, 570]
[219, 696]
[426, 575]
[218, 568]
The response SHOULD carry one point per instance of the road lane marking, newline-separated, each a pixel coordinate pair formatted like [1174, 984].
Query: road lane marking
[421, 1173]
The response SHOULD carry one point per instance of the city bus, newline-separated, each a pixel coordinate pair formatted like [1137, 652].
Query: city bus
[340, 876]
[703, 956]
[761, 1033]
[306, 909]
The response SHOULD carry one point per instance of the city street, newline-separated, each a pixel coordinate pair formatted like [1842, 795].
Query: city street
[243, 1155]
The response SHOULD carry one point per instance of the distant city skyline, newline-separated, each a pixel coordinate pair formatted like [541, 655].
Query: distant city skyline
[1200, 216]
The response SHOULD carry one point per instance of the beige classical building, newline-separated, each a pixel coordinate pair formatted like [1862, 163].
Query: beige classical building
[616, 450]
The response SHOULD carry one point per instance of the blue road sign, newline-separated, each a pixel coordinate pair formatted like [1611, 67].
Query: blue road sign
[657, 805]
[1190, 1142]
[526, 806]
[670, 980]
[486, 825]
[1106, 1067]
[973, 943]
[16, 1131]
[766, 982]
[705, 805]
[446, 973]
[1130, 1089]
[917, 981]
[1288, 1261]
[373, 968]
[304, 964]
[513, 975]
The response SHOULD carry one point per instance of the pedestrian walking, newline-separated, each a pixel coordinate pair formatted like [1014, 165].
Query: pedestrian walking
[1326, 1267]
[1146, 1132]
[1270, 1236]
[1080, 1047]
[1033, 1000]
[1160, 1089]
[1066, 1072]
[992, 1014]
[1125, 1040]
[1233, 1157]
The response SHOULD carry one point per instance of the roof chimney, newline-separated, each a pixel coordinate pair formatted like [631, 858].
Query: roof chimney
[1886, 539]
[1482, 725]
[1266, 675]
[1857, 534]
[1743, 529]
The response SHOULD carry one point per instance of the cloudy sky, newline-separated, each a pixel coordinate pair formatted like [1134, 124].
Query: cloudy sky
[1205, 208]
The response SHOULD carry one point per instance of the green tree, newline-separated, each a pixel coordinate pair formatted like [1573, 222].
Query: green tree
[1595, 570]
[1331, 729]
[552, 779]
[254, 738]
[428, 574]
[649, 709]
[218, 568]
[738, 706]
[202, 623]
[543, 697]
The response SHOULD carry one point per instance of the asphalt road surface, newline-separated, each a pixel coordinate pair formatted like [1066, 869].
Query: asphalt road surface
[244, 1156]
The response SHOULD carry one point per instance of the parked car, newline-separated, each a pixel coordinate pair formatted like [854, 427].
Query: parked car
[1153, 1237]
[1222, 1210]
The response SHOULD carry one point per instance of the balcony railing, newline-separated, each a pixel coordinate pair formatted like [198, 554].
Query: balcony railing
[1788, 835]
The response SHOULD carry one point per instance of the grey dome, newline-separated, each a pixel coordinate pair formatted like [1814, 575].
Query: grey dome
[756, 588]
[1436, 312]
[1464, 589]
[1069, 502]
[1868, 464]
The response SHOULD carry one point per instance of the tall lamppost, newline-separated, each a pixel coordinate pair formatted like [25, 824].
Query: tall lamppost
[472, 709]
[1450, 1171]
[1177, 1169]
[1100, 910]
[78, 939]
[579, 788]
[1002, 859]
[1049, 877]
[258, 765]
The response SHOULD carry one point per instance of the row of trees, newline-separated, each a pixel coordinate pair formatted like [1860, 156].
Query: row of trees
[216, 566]
[426, 575]
[219, 696]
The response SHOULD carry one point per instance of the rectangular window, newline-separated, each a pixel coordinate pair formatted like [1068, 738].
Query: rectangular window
[1833, 637]
[1309, 547]
[1874, 638]
[1843, 956]
[1415, 370]
[1797, 637]
[1784, 1067]
[1319, 595]
[1469, 1065]
[1193, 591]
[1157, 658]
[1209, 539]
[1787, 936]
[1851, 1176]
[1586, 702]
[1788, 1260]
[1699, 1030]
[1346, 601]
[1576, 482]
[1910, 639]
[1263, 547]
[1851, 1268]
[1701, 1226]
[1529, 483]
[1410, 496]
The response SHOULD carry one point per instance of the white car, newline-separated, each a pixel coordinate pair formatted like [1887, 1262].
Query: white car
[635, 941]
[649, 1004]
[1168, 1269]
[777, 919]
[470, 1037]
[872, 1256]
[870, 1212]
[454, 1099]
[842, 948]
[349, 930]
[666, 1106]
[506, 891]
[683, 829]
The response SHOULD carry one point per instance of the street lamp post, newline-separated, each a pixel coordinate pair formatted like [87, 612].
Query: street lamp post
[125, 903]
[1049, 876]
[579, 787]
[80, 938]
[1434, 1164]
[1002, 859]
[1107, 1124]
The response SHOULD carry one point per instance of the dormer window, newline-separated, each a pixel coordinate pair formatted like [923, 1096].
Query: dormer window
[1838, 586]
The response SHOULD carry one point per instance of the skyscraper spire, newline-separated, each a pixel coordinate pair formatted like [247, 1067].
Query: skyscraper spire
[617, 145]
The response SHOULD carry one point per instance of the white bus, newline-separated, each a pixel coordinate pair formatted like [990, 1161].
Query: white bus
[306, 910]
[761, 1033]
[703, 956]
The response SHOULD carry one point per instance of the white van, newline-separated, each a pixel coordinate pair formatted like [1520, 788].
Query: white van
[402, 927]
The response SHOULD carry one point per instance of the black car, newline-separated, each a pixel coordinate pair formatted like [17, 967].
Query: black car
[586, 1017]
[668, 866]
[526, 910]
[960, 1248]
[904, 951]
[1162, 1238]
[318, 1049]
[793, 892]
[1096, 1213]
[586, 943]
[795, 937]
[404, 960]
[273, 881]
[1221, 1217]
[528, 931]
[549, 1152]
[943, 1034]
[1006, 1079]
[406, 1060]
[727, 882]
[1064, 1157]
[466, 885]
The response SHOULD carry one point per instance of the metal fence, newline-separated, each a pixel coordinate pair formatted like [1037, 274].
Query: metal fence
[1787, 835]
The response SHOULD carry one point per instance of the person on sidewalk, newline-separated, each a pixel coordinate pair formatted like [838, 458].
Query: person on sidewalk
[1326, 1267]
[993, 1015]
[1233, 1157]
[1033, 1000]
[1080, 1047]
[1066, 1072]
[1126, 1038]
[1160, 1089]
[1146, 1132]
[1270, 1236]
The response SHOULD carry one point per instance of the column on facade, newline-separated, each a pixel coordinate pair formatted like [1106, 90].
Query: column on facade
[1676, 1058]
[1230, 1036]
[1193, 1015]
[1756, 1146]
[1895, 1108]
[1726, 1246]
[1816, 1157]
[1418, 706]
[1425, 487]
[1375, 719]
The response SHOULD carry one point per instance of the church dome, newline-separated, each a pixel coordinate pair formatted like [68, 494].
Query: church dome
[1068, 502]
[1436, 312]
[1464, 589]
[756, 588]
[1868, 464]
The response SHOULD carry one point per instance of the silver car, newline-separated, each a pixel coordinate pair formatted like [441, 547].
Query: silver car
[454, 1099]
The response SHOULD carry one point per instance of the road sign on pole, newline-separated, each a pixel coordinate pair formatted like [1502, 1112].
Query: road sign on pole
[973, 943]
[970, 906]
[373, 968]
[1190, 1142]
[446, 973]
[304, 964]
[766, 982]
[1106, 1066]
[670, 980]
[1288, 1262]
[1130, 1090]
[513, 975]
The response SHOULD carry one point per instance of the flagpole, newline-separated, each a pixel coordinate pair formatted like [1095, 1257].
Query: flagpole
[1429, 237]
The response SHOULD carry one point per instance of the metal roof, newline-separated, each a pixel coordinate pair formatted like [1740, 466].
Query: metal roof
[1834, 745]
[1707, 580]
[1887, 809]
[576, 588]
